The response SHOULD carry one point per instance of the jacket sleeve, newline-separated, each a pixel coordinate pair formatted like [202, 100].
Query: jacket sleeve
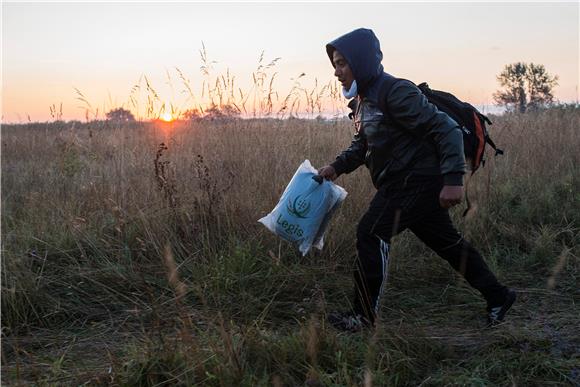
[408, 107]
[353, 157]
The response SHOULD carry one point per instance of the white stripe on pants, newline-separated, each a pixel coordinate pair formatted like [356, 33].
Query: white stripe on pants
[384, 250]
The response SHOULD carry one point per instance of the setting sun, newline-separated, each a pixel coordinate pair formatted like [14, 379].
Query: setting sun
[167, 117]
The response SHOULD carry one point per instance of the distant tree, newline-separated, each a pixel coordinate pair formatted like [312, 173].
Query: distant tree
[120, 115]
[525, 86]
[191, 114]
[215, 112]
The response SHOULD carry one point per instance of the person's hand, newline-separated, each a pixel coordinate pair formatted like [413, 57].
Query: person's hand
[328, 172]
[450, 195]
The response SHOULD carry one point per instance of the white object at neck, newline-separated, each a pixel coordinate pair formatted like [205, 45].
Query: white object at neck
[350, 93]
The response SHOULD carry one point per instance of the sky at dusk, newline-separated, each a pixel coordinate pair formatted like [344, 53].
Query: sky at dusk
[104, 49]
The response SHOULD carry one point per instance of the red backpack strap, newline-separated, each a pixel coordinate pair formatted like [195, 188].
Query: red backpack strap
[480, 134]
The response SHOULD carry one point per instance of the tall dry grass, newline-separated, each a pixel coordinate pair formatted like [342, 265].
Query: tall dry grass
[94, 216]
[221, 94]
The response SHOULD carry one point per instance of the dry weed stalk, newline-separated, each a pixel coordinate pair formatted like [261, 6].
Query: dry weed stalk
[55, 113]
[230, 349]
[313, 340]
[164, 183]
[211, 192]
[173, 275]
[560, 263]
[165, 178]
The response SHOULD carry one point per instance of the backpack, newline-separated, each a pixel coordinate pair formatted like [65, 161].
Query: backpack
[472, 122]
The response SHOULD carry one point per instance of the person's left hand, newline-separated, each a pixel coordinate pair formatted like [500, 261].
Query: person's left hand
[450, 195]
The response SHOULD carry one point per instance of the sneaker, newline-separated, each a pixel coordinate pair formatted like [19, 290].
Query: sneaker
[496, 314]
[348, 321]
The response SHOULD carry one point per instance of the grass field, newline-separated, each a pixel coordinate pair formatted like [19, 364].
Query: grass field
[128, 262]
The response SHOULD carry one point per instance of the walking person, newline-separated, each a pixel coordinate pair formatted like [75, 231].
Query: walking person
[414, 154]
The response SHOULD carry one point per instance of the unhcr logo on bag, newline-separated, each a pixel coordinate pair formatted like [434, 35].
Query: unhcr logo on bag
[298, 208]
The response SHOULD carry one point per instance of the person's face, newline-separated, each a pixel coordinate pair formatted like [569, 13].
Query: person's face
[342, 70]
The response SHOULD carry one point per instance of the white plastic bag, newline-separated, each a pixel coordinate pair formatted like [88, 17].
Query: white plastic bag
[305, 208]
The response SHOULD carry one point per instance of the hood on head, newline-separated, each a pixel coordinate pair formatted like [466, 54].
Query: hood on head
[362, 51]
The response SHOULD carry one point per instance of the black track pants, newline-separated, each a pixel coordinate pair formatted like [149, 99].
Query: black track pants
[414, 204]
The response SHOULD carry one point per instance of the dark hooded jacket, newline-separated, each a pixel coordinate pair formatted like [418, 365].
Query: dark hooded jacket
[398, 132]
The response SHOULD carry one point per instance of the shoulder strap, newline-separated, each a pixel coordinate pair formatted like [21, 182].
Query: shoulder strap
[492, 144]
